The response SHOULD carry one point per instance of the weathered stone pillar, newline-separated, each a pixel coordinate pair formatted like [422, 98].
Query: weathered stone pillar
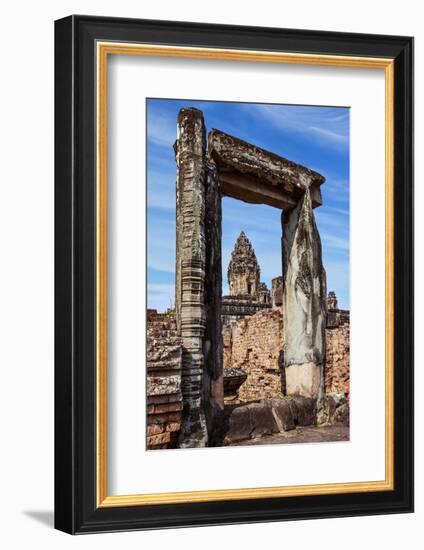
[213, 379]
[190, 271]
[304, 302]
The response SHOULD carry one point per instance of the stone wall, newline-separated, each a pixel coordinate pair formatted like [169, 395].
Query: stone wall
[337, 365]
[164, 400]
[235, 308]
[255, 345]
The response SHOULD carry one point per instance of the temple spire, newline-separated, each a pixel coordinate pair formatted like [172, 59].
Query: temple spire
[243, 271]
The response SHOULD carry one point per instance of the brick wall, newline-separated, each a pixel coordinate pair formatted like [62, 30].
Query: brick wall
[336, 374]
[255, 345]
[164, 400]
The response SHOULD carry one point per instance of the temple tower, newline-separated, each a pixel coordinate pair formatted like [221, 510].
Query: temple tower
[243, 271]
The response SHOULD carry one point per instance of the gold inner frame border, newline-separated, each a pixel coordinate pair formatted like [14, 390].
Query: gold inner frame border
[103, 50]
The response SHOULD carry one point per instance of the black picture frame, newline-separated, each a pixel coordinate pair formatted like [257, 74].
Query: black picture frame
[76, 510]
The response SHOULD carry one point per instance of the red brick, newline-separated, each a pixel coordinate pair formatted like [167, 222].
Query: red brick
[173, 426]
[158, 439]
[154, 429]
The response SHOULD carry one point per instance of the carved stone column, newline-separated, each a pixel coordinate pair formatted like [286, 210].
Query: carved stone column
[304, 302]
[190, 271]
[213, 378]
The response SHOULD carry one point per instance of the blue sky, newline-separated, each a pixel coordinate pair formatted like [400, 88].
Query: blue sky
[317, 137]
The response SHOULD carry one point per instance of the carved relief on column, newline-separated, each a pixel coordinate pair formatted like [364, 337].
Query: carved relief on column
[213, 381]
[190, 271]
[304, 302]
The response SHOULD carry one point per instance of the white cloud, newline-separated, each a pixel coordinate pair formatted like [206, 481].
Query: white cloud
[327, 126]
[333, 241]
[330, 134]
[332, 223]
[342, 211]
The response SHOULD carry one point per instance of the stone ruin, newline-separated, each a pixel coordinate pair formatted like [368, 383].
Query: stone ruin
[248, 294]
[253, 351]
[164, 398]
[207, 170]
[254, 345]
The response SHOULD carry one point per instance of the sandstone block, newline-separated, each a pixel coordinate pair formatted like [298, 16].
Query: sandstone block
[262, 419]
[251, 421]
[159, 439]
[173, 426]
[162, 408]
[160, 399]
[304, 379]
[304, 410]
[239, 425]
[333, 401]
[341, 415]
[158, 385]
[165, 417]
[154, 429]
[283, 414]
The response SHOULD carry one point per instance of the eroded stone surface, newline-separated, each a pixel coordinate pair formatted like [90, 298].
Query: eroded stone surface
[233, 379]
[251, 421]
[341, 415]
[213, 389]
[239, 425]
[164, 398]
[304, 410]
[269, 416]
[335, 410]
[283, 414]
[304, 379]
[190, 271]
[255, 175]
[337, 363]
[304, 301]
[308, 434]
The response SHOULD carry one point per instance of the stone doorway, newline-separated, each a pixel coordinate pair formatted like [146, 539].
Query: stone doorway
[208, 169]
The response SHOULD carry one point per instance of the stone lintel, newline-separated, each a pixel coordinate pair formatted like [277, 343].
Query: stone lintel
[255, 175]
[247, 189]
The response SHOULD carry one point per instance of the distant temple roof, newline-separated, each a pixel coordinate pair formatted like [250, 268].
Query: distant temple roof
[243, 257]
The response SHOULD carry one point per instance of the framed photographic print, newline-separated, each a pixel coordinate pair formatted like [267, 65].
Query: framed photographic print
[233, 274]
